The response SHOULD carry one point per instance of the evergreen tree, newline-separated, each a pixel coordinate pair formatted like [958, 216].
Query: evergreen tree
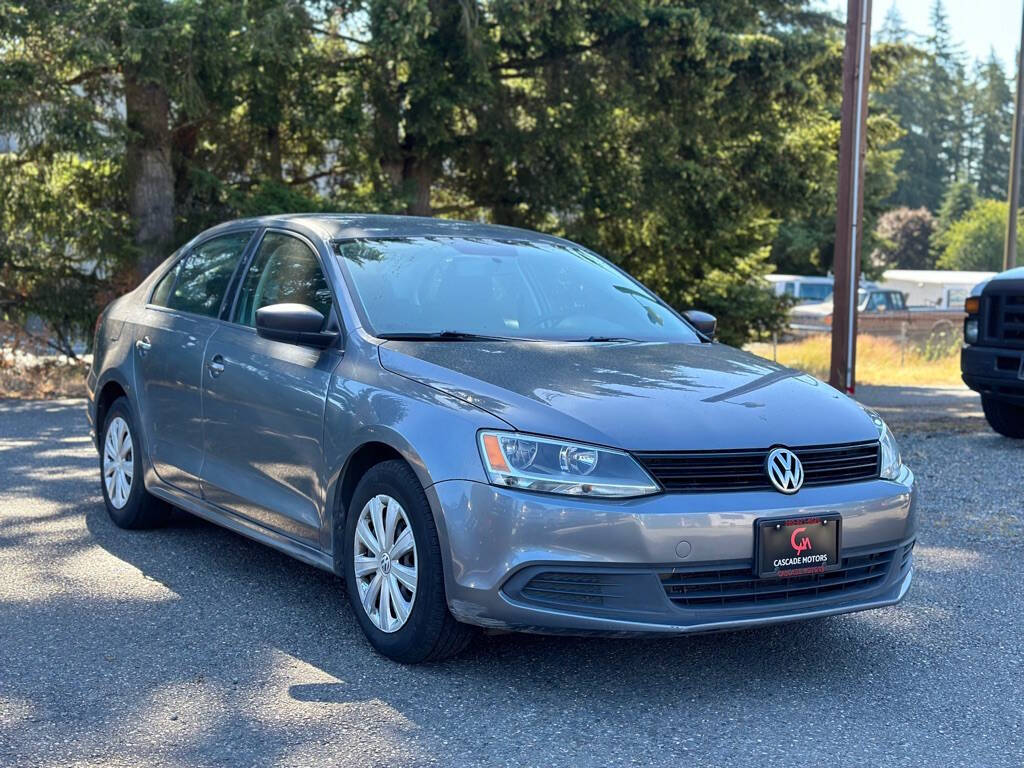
[931, 101]
[993, 119]
[893, 28]
[960, 198]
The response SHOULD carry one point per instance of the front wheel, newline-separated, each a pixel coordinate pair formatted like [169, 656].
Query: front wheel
[128, 503]
[1005, 418]
[393, 570]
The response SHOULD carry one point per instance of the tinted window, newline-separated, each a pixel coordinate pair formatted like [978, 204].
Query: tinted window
[205, 273]
[163, 288]
[815, 291]
[284, 271]
[530, 289]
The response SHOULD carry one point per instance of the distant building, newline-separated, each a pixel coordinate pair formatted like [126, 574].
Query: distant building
[946, 288]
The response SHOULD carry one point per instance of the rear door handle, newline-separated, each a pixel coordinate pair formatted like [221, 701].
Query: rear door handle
[216, 366]
[143, 345]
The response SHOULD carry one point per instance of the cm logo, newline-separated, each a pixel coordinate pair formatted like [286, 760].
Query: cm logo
[801, 545]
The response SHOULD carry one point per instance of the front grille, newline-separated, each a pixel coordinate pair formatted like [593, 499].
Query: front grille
[736, 586]
[703, 471]
[1004, 316]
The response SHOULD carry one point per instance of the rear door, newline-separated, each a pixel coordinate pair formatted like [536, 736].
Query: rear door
[170, 338]
[264, 400]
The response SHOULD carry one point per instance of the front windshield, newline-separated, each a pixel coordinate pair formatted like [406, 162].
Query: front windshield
[519, 289]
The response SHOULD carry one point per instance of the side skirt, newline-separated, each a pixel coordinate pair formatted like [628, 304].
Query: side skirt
[247, 528]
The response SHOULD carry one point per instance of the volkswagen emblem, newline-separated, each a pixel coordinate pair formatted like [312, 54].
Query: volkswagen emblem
[785, 470]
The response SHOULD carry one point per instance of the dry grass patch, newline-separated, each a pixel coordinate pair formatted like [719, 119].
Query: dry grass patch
[26, 375]
[879, 361]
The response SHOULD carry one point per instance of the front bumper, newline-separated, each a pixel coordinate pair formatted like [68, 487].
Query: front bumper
[994, 372]
[90, 406]
[623, 567]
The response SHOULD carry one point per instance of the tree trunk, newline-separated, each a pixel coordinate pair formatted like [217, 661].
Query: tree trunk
[417, 180]
[149, 171]
[275, 166]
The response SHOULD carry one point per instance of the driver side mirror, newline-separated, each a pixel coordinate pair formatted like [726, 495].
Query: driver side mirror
[294, 324]
[702, 321]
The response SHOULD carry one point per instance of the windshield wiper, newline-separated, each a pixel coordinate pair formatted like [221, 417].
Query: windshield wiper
[604, 338]
[444, 336]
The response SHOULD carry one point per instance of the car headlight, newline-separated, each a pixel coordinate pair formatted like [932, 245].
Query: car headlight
[530, 463]
[890, 452]
[971, 330]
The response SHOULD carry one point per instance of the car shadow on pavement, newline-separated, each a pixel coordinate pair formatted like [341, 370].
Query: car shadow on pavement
[242, 610]
[192, 645]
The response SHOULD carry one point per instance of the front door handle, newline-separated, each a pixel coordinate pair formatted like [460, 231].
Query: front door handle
[216, 366]
[143, 345]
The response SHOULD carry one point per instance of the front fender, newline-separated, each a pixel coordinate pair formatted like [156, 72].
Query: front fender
[434, 432]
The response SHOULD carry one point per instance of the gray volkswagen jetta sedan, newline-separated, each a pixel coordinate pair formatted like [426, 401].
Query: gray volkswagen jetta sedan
[483, 426]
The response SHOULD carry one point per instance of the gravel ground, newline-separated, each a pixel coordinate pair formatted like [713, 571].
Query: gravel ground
[192, 646]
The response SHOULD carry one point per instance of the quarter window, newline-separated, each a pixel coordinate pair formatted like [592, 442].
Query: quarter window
[204, 275]
[284, 271]
[163, 289]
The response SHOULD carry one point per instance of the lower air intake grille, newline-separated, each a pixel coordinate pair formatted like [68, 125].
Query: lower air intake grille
[557, 588]
[736, 586]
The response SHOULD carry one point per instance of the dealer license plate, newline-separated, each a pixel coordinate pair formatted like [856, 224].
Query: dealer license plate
[799, 546]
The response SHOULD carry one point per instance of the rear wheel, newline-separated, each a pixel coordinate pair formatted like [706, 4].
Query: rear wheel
[1005, 418]
[124, 493]
[393, 569]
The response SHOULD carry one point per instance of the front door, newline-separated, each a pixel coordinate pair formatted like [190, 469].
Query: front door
[264, 400]
[170, 338]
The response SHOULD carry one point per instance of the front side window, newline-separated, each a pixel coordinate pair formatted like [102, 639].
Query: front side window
[522, 289]
[284, 271]
[204, 275]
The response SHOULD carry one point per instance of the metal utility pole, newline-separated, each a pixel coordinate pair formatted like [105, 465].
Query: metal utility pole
[852, 149]
[1010, 247]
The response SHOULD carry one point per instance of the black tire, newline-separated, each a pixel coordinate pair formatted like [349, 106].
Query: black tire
[1005, 418]
[140, 509]
[430, 633]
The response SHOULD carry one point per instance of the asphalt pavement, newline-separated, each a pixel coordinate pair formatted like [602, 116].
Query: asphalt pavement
[192, 646]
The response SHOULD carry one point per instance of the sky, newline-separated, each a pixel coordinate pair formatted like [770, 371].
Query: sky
[978, 25]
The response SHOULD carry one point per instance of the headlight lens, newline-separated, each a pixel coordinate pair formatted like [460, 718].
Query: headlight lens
[890, 453]
[532, 463]
[971, 330]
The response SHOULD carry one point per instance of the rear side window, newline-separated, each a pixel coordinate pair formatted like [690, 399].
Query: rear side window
[204, 275]
[284, 271]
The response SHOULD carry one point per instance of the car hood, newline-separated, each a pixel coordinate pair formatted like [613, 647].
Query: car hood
[636, 396]
[822, 309]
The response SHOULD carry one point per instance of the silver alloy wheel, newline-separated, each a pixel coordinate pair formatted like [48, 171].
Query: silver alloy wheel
[385, 563]
[118, 462]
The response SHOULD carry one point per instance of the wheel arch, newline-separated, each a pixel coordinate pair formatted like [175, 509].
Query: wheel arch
[110, 391]
[374, 449]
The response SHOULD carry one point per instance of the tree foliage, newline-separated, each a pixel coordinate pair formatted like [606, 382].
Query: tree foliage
[976, 241]
[695, 144]
[905, 236]
[993, 117]
[955, 126]
[958, 201]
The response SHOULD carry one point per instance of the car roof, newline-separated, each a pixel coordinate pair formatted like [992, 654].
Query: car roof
[345, 226]
[777, 278]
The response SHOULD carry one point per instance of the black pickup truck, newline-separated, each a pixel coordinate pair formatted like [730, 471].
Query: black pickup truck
[992, 360]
